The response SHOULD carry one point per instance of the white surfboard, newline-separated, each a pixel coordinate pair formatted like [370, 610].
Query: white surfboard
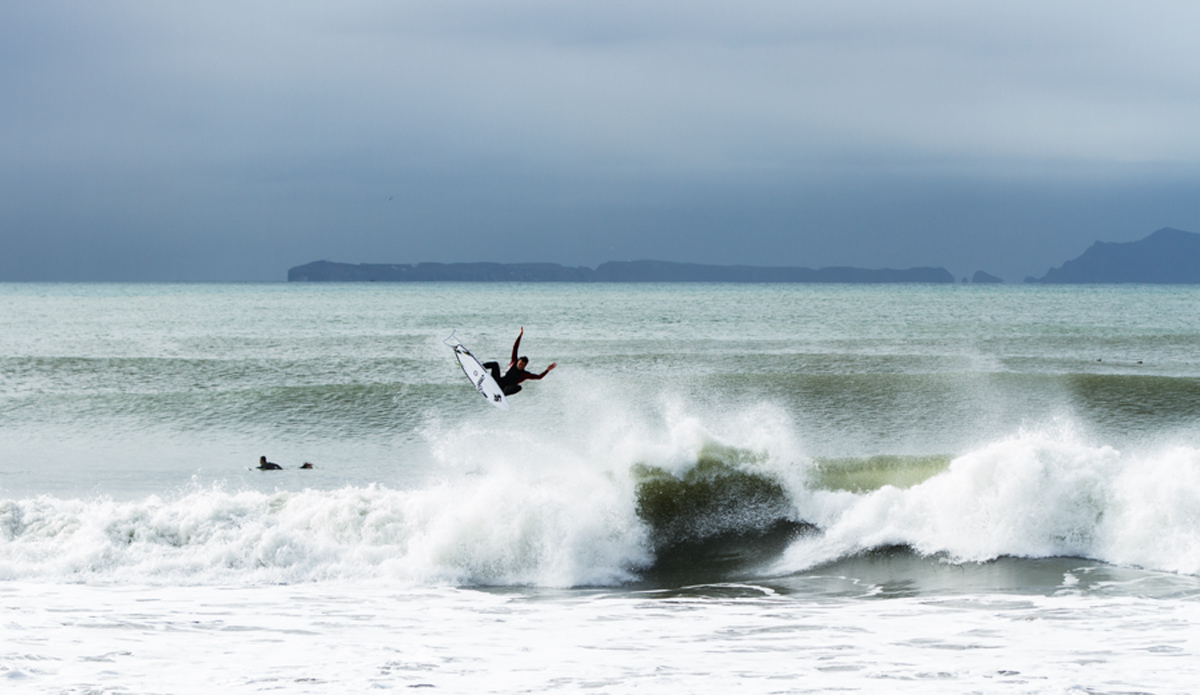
[480, 377]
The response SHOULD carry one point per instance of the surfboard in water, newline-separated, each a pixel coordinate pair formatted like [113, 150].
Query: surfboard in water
[480, 377]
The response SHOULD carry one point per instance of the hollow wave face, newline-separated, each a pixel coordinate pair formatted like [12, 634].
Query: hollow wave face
[715, 517]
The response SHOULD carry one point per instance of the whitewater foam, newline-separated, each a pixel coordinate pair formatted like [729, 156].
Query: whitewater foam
[1038, 494]
[510, 506]
[503, 529]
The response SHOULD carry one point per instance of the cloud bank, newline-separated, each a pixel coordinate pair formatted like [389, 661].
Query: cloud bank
[225, 141]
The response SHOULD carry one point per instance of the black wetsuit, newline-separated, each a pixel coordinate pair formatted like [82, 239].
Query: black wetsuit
[510, 381]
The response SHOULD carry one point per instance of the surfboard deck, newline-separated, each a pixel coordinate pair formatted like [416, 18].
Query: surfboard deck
[479, 376]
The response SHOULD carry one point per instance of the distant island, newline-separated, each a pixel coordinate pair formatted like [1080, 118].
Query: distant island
[613, 271]
[1166, 257]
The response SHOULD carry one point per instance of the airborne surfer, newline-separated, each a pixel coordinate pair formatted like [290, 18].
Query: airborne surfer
[511, 380]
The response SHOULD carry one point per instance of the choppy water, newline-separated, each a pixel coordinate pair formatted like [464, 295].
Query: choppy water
[722, 487]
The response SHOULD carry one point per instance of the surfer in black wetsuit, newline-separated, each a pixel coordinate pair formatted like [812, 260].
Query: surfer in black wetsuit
[511, 380]
[265, 465]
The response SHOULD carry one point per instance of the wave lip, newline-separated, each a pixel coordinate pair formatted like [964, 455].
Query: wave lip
[873, 472]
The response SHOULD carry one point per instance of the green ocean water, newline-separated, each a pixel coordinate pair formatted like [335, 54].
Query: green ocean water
[164, 381]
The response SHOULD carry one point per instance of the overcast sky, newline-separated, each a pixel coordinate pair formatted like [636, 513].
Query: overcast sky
[229, 141]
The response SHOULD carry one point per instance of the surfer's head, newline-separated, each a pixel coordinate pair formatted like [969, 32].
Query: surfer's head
[522, 362]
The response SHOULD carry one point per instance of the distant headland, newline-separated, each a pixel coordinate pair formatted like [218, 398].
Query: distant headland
[613, 271]
[1168, 256]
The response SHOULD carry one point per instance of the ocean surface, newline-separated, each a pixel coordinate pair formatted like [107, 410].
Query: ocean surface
[721, 488]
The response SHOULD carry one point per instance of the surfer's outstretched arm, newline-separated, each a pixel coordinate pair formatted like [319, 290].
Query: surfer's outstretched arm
[539, 376]
[516, 346]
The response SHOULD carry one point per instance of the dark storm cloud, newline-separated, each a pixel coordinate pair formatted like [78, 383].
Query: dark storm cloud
[228, 141]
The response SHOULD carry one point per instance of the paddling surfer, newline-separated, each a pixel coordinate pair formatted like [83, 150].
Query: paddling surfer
[511, 380]
[265, 465]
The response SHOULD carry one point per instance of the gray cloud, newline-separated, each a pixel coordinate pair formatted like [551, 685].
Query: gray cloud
[226, 141]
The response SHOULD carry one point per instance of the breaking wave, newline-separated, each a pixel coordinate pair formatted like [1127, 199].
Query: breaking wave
[683, 506]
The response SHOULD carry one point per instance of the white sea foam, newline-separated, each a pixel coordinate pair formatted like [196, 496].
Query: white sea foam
[562, 511]
[499, 529]
[1041, 493]
[346, 637]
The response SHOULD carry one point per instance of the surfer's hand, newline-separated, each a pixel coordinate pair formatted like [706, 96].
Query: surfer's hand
[552, 366]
